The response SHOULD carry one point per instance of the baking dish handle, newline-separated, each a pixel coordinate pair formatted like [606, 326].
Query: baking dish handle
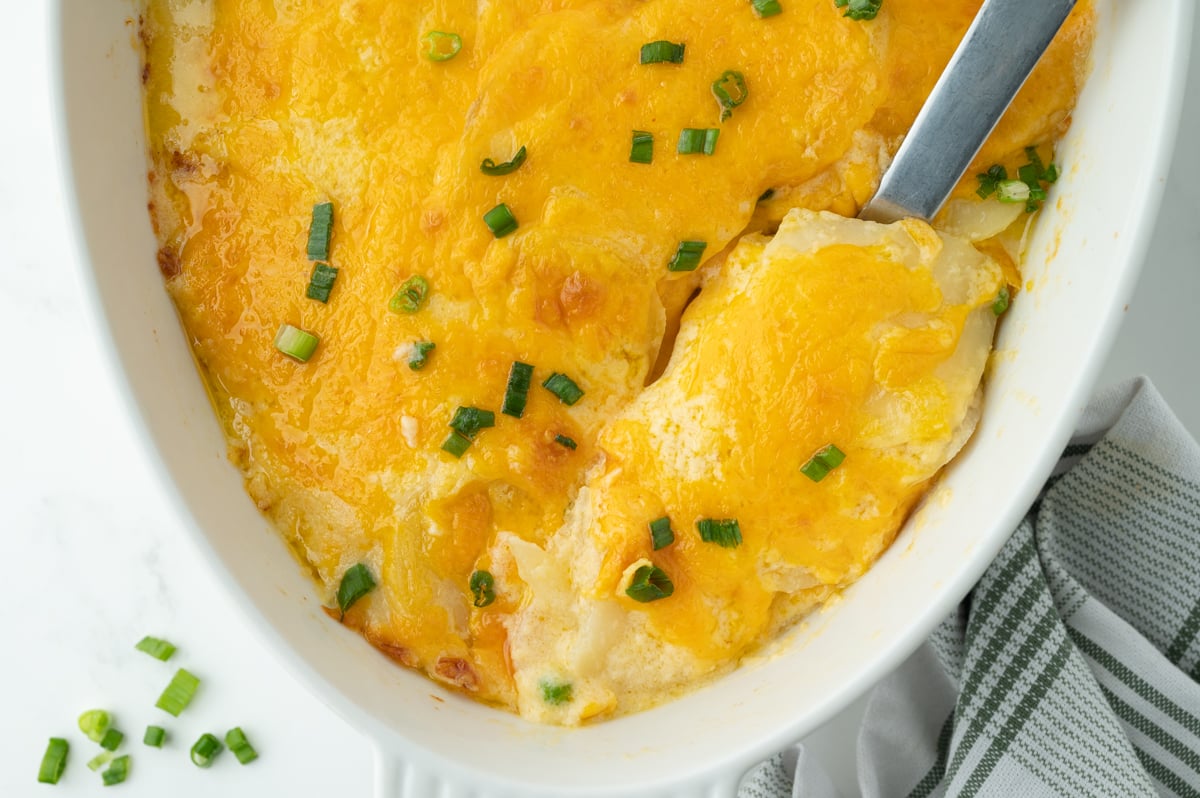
[398, 778]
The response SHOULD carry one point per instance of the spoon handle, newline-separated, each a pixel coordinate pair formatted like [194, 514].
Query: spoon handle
[999, 51]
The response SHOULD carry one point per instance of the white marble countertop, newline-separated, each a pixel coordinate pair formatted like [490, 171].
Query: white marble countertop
[100, 558]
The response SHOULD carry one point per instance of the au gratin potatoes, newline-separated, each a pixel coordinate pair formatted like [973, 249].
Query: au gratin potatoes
[540, 331]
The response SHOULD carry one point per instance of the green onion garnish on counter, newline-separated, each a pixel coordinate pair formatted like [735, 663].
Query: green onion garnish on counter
[730, 91]
[420, 354]
[235, 738]
[441, 46]
[111, 740]
[564, 388]
[483, 588]
[500, 221]
[154, 736]
[205, 750]
[99, 760]
[54, 761]
[94, 723]
[296, 343]
[179, 693]
[356, 583]
[649, 583]
[661, 534]
[490, 167]
[687, 256]
[766, 8]
[662, 52]
[159, 649]
[117, 772]
[320, 231]
[698, 141]
[820, 464]
[320, 284]
[642, 150]
[516, 394]
[859, 9]
[564, 441]
[725, 533]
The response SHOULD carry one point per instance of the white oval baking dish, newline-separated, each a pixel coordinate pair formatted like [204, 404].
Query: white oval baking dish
[1081, 267]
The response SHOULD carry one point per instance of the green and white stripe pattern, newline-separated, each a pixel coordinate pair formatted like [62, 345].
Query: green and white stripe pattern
[1071, 669]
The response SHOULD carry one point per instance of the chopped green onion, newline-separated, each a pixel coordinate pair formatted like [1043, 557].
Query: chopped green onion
[320, 231]
[356, 583]
[516, 394]
[556, 693]
[94, 723]
[691, 141]
[411, 295]
[490, 167]
[820, 464]
[859, 9]
[661, 534]
[662, 52]
[159, 649]
[469, 420]
[154, 736]
[205, 750]
[989, 180]
[296, 343]
[1012, 191]
[111, 740]
[564, 388]
[54, 761]
[1002, 301]
[482, 587]
[117, 772]
[766, 195]
[698, 141]
[420, 354]
[500, 221]
[179, 693]
[563, 440]
[649, 583]
[456, 444]
[766, 8]
[321, 282]
[1030, 175]
[99, 760]
[1035, 161]
[1034, 174]
[688, 256]
[725, 533]
[440, 46]
[730, 91]
[1027, 188]
[235, 738]
[642, 150]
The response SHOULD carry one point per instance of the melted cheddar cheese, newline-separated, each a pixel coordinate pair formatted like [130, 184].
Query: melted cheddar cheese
[831, 331]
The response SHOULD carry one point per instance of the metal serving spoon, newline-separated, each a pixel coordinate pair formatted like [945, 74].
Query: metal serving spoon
[999, 51]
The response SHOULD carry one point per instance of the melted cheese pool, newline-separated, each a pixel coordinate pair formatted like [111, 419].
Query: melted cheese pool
[524, 571]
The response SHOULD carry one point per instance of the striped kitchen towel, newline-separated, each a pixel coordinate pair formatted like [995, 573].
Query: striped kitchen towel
[1071, 669]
